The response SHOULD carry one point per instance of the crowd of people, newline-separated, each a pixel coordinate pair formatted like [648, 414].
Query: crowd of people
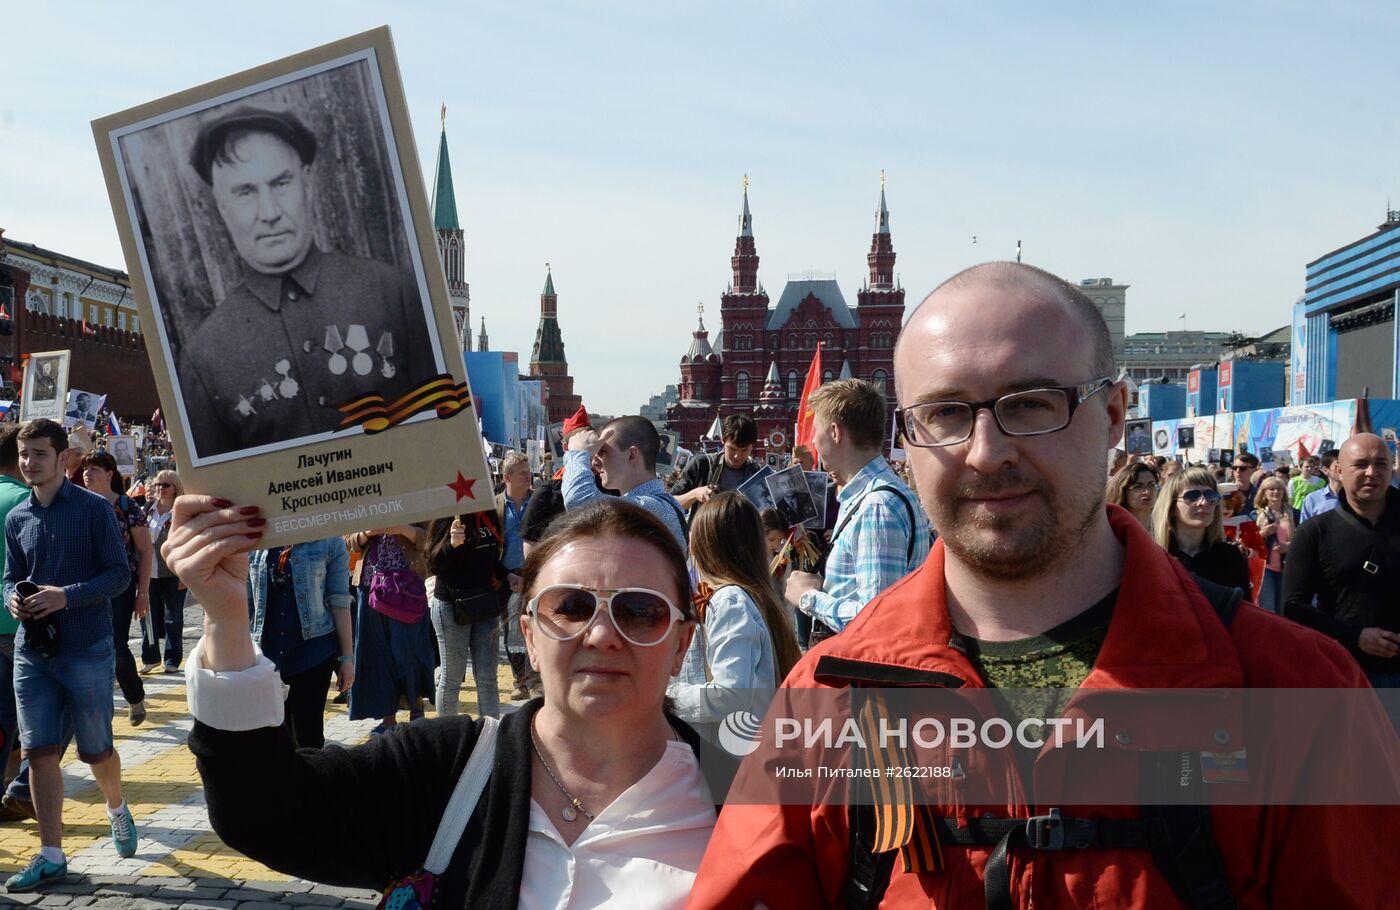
[637, 612]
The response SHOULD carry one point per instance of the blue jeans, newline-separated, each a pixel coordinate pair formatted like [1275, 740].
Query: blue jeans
[166, 620]
[73, 688]
[476, 641]
[1271, 592]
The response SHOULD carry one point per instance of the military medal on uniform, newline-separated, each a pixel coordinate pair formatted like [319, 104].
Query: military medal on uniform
[334, 344]
[288, 387]
[357, 340]
[385, 349]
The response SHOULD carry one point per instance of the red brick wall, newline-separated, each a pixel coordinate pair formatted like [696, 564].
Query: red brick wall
[110, 362]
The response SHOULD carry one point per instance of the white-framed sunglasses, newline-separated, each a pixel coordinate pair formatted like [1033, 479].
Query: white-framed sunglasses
[641, 616]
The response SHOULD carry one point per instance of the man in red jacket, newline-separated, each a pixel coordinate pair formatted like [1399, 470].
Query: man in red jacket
[1005, 374]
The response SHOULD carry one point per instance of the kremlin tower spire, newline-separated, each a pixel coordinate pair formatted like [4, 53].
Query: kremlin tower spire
[745, 258]
[881, 256]
[452, 245]
[547, 361]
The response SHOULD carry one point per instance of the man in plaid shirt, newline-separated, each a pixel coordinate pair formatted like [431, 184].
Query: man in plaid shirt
[881, 531]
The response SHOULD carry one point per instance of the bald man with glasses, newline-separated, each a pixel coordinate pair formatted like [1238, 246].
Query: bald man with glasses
[1035, 584]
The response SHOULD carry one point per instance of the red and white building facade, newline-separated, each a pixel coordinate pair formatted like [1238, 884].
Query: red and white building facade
[758, 362]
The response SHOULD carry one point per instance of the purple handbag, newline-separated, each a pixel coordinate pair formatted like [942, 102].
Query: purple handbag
[398, 594]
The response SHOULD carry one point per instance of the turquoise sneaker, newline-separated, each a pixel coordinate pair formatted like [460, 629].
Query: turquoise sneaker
[124, 833]
[39, 872]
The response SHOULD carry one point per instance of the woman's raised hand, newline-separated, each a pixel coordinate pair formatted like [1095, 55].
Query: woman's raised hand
[207, 547]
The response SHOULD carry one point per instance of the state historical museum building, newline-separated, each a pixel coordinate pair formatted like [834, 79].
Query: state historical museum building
[759, 360]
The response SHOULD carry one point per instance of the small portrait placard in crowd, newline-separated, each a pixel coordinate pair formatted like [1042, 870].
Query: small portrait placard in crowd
[1139, 437]
[83, 407]
[123, 451]
[818, 482]
[1185, 437]
[666, 452]
[755, 489]
[791, 496]
[280, 246]
[45, 386]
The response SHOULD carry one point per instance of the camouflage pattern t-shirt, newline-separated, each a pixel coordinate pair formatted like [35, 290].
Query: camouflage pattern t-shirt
[1044, 670]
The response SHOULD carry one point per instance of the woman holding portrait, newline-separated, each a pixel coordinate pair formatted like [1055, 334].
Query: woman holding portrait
[593, 795]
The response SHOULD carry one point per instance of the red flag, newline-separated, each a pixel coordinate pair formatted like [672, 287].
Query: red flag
[157, 421]
[803, 436]
[1302, 451]
[87, 329]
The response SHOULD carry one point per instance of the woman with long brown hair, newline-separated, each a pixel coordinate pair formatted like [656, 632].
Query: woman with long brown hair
[744, 645]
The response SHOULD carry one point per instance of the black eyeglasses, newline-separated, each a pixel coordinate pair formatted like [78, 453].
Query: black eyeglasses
[1241, 467]
[1191, 497]
[1033, 412]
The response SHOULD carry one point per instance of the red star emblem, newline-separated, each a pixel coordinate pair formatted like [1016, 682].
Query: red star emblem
[461, 486]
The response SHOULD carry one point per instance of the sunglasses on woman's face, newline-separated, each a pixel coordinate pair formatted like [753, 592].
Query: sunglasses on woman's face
[1192, 497]
[640, 615]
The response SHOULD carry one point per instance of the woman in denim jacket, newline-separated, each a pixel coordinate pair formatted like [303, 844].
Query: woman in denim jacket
[299, 610]
[743, 646]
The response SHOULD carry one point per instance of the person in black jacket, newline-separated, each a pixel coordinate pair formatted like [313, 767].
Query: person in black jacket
[468, 596]
[607, 624]
[706, 475]
[1349, 560]
[1187, 522]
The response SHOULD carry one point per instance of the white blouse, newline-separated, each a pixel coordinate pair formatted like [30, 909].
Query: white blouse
[641, 851]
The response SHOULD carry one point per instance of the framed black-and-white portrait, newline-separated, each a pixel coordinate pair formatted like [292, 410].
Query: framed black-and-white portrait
[277, 232]
[791, 496]
[669, 443]
[45, 386]
[1138, 437]
[123, 450]
[755, 489]
[83, 407]
[819, 485]
[1185, 437]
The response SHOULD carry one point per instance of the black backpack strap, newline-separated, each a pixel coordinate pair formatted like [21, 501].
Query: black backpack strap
[1180, 839]
[716, 468]
[868, 874]
[1188, 856]
[1225, 599]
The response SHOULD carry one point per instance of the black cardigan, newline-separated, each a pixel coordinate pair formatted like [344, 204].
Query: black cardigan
[366, 816]
[1222, 562]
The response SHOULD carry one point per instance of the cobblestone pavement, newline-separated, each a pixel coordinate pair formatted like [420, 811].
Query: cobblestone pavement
[179, 861]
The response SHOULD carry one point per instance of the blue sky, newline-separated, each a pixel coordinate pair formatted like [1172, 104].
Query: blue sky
[1200, 152]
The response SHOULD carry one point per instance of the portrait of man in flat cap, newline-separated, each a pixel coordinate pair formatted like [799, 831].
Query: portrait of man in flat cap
[328, 327]
[305, 293]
